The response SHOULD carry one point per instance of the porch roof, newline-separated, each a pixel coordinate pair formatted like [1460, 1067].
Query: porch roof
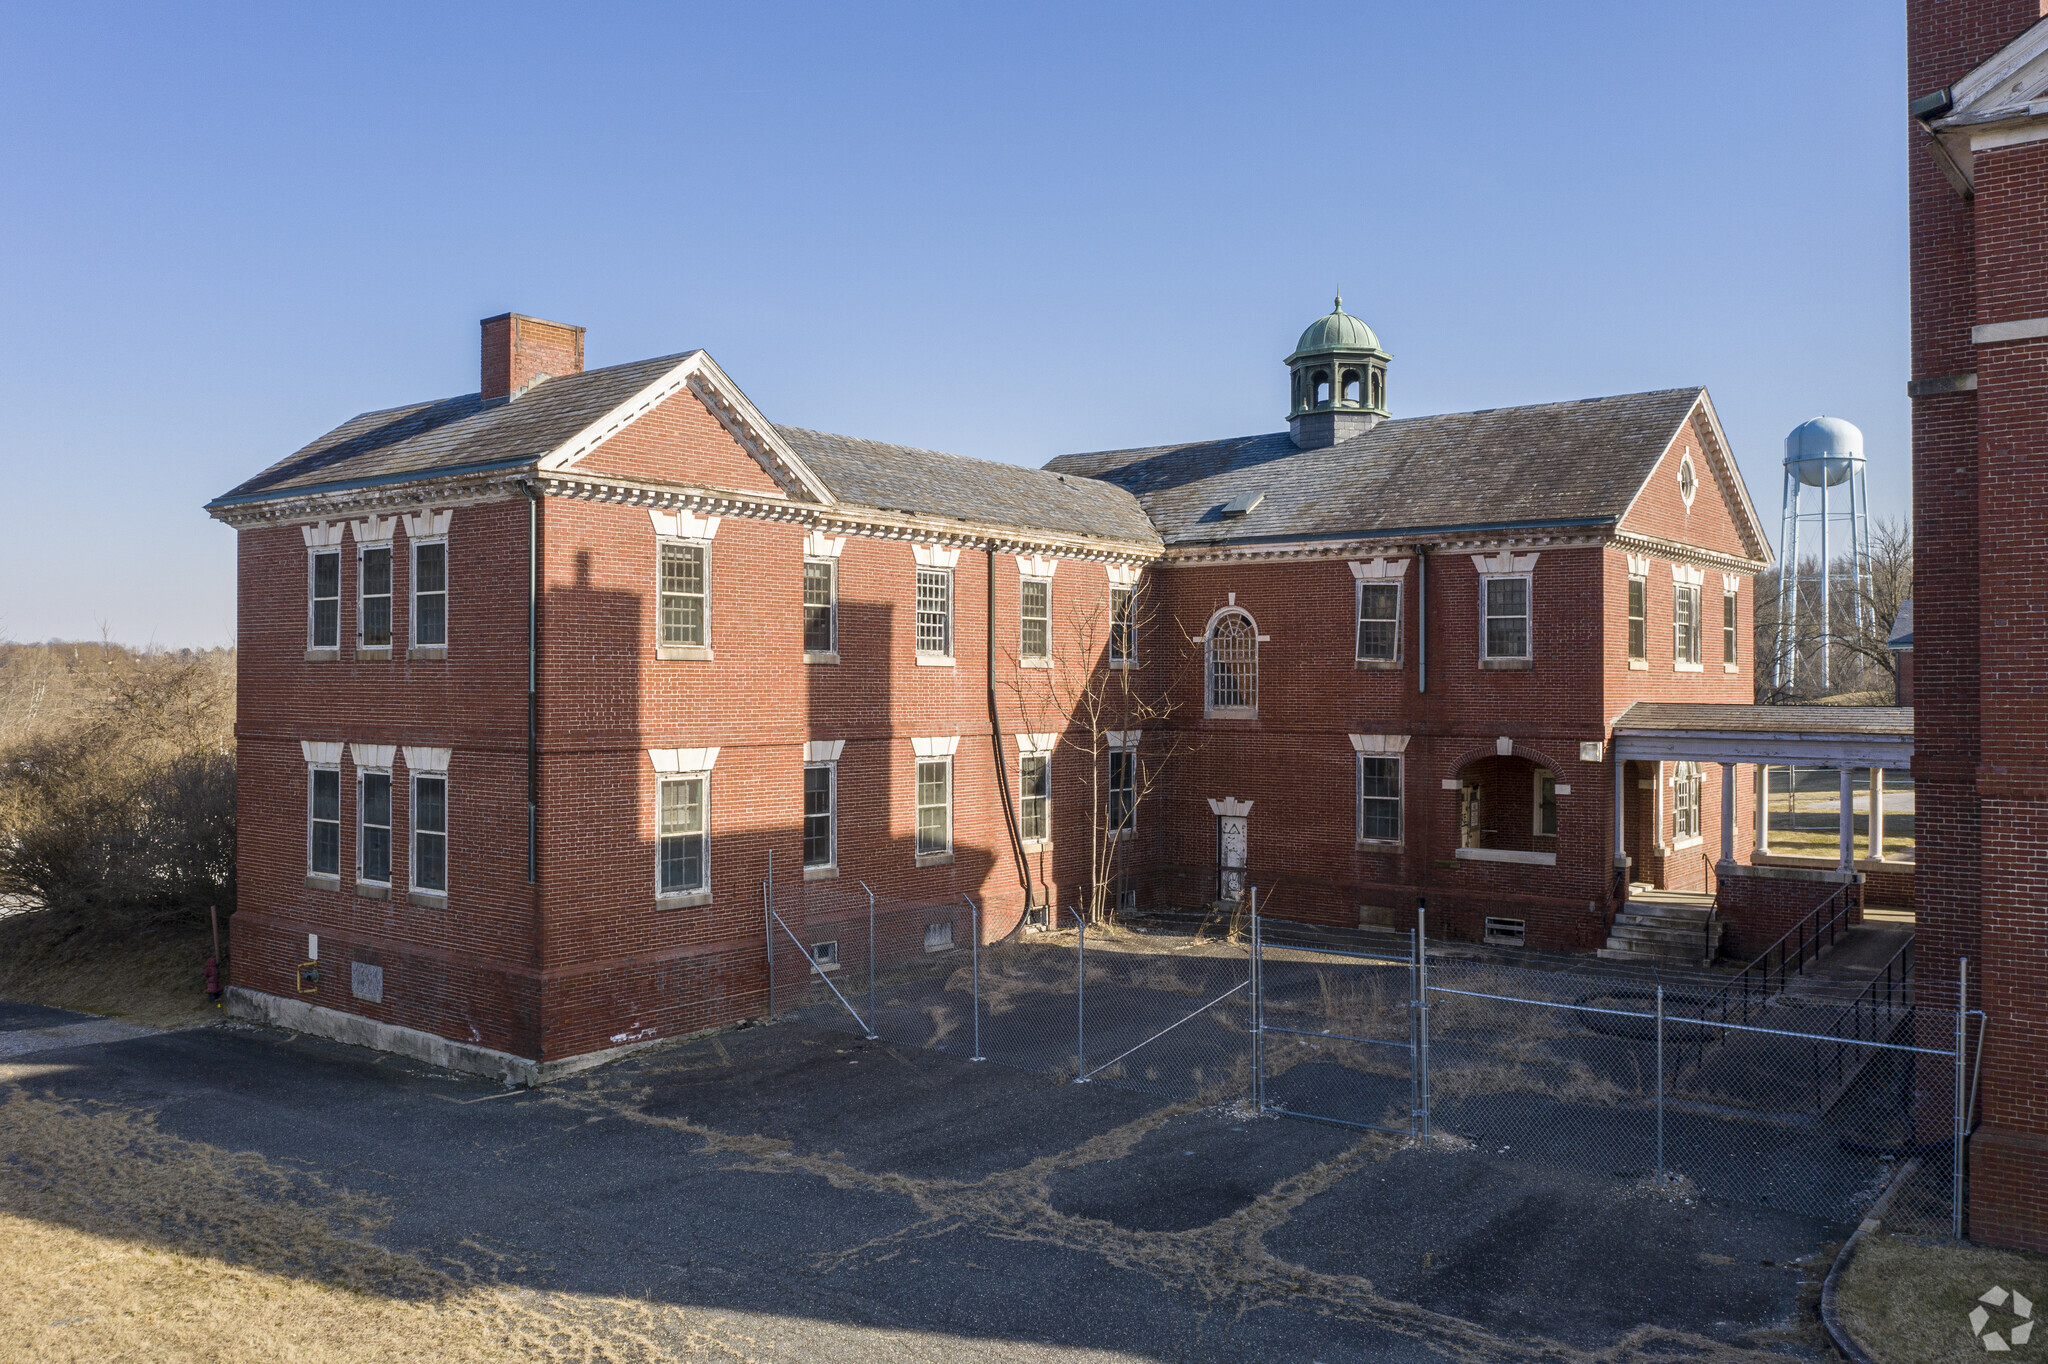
[1807, 736]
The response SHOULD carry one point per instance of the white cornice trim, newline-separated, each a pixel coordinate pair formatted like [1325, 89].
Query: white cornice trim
[1722, 465]
[701, 375]
[452, 490]
[1632, 543]
[1369, 548]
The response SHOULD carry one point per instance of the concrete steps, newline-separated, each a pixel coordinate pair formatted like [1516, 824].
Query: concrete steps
[1671, 930]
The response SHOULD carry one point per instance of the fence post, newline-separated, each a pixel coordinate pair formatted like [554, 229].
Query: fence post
[1962, 1047]
[1258, 1013]
[768, 941]
[1414, 1034]
[1660, 1085]
[1081, 1001]
[871, 956]
[1422, 1001]
[976, 912]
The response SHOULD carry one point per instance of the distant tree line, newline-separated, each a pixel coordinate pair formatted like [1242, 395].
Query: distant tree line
[117, 778]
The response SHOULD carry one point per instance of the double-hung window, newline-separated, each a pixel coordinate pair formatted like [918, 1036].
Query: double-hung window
[1504, 627]
[935, 612]
[1379, 799]
[685, 589]
[1034, 618]
[820, 814]
[1686, 785]
[373, 597]
[1728, 628]
[820, 606]
[1034, 806]
[934, 805]
[323, 621]
[1638, 618]
[430, 832]
[1379, 622]
[1122, 641]
[429, 594]
[323, 821]
[1123, 792]
[684, 858]
[373, 827]
[1545, 803]
[1685, 623]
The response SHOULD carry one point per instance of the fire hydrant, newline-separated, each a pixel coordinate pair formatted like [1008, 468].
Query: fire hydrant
[213, 981]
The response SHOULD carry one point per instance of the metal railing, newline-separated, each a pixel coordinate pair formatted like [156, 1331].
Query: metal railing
[1772, 969]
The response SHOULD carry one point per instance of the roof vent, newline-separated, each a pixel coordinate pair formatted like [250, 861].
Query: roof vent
[1241, 506]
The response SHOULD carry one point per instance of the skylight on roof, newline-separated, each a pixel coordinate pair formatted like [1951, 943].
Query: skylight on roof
[1241, 506]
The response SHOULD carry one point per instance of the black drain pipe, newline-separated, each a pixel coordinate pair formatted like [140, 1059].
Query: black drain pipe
[995, 731]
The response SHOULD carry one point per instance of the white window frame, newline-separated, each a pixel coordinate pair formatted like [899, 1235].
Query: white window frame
[1400, 799]
[1127, 749]
[1024, 798]
[831, 567]
[1528, 617]
[1209, 705]
[1123, 643]
[1685, 626]
[1639, 592]
[312, 819]
[1358, 618]
[678, 649]
[412, 622]
[1731, 617]
[1536, 803]
[830, 768]
[363, 598]
[700, 893]
[1025, 583]
[930, 856]
[363, 825]
[943, 577]
[412, 818]
[1688, 780]
[313, 599]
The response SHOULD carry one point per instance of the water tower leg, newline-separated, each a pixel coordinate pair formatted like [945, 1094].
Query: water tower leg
[1785, 666]
[1827, 573]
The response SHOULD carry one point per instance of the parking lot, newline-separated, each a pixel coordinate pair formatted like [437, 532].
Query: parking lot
[791, 1192]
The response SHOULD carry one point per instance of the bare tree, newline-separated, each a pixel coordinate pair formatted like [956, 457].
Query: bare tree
[1106, 700]
[1860, 611]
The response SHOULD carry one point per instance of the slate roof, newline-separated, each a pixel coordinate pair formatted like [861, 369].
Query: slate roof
[904, 478]
[1664, 717]
[1900, 640]
[1572, 463]
[447, 434]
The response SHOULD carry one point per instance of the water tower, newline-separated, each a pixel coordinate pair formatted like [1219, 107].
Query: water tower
[1820, 456]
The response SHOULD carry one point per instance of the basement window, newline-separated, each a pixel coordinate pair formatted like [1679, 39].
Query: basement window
[938, 937]
[1507, 932]
[826, 955]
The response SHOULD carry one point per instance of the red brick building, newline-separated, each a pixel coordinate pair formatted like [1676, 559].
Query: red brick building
[1978, 81]
[546, 688]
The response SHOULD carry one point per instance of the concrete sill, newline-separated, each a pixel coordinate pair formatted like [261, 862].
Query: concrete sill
[814, 656]
[366, 891]
[1507, 665]
[1375, 846]
[1034, 663]
[1376, 665]
[944, 859]
[1682, 844]
[1639, 665]
[1731, 667]
[1687, 668]
[374, 654]
[683, 653]
[316, 882]
[1771, 859]
[1037, 845]
[1533, 859]
[821, 873]
[826, 967]
[1812, 870]
[1123, 664]
[934, 660]
[427, 899]
[1231, 713]
[686, 900]
[323, 655]
[428, 653]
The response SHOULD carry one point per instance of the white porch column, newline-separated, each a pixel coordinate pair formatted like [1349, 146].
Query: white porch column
[1763, 808]
[1845, 811]
[1877, 814]
[1727, 812]
[1620, 792]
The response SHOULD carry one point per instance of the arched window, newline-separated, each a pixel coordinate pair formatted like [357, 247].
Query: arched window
[1351, 386]
[1686, 786]
[1379, 389]
[1321, 387]
[1233, 662]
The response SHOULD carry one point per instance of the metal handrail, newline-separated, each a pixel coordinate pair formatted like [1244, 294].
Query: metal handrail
[1788, 956]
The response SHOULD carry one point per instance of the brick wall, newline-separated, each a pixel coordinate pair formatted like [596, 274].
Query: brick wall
[1760, 905]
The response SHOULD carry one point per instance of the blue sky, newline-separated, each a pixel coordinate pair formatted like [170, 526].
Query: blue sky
[1003, 231]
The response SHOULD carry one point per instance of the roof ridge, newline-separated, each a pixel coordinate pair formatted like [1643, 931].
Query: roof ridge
[942, 454]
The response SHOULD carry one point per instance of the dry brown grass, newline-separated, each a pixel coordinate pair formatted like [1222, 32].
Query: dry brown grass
[143, 968]
[1907, 1302]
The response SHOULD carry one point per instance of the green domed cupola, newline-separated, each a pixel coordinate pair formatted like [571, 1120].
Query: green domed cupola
[1339, 376]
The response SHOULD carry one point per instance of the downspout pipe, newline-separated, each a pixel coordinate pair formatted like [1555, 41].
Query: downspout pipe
[532, 682]
[995, 733]
[1422, 620]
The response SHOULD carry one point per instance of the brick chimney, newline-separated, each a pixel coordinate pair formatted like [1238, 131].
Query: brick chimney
[518, 349]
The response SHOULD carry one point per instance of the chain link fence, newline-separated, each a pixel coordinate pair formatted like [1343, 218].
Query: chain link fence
[1808, 1101]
